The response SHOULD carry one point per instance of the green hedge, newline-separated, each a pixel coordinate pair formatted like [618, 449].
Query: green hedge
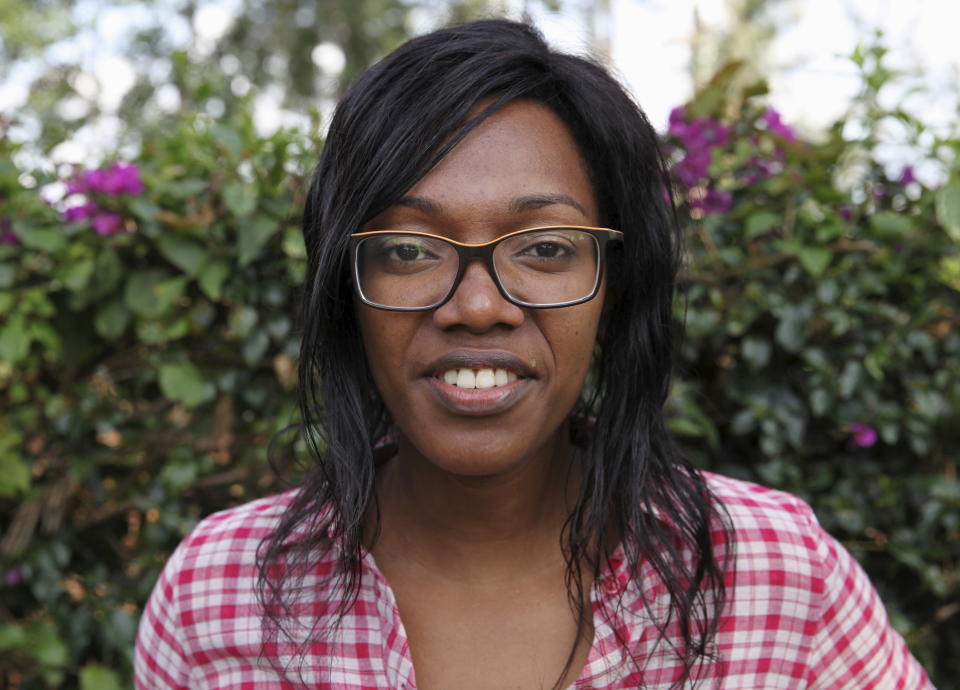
[148, 347]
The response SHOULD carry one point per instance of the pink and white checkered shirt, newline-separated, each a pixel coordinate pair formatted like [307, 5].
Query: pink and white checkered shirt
[801, 614]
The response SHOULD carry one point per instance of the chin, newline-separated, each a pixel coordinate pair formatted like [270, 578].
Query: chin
[480, 454]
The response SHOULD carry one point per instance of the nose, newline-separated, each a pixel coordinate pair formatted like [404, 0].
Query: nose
[477, 304]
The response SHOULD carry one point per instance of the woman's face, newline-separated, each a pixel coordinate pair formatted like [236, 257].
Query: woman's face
[518, 169]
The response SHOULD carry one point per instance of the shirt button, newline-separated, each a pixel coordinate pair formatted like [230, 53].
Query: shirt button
[611, 586]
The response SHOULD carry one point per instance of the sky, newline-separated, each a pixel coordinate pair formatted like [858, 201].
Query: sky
[811, 78]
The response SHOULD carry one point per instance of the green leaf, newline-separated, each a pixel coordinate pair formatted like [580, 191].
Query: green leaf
[187, 255]
[142, 208]
[948, 271]
[293, 245]
[255, 346]
[760, 223]
[756, 351]
[242, 319]
[948, 210]
[46, 646]
[140, 293]
[14, 340]
[227, 137]
[112, 319]
[815, 259]
[12, 636]
[252, 236]
[48, 241]
[169, 292]
[76, 275]
[182, 382]
[793, 329]
[8, 274]
[97, 677]
[888, 225]
[240, 199]
[14, 473]
[212, 278]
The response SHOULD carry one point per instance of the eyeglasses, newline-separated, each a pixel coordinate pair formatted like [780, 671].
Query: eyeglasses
[541, 267]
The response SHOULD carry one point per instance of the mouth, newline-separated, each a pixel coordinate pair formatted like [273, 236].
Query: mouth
[478, 378]
[478, 382]
[480, 368]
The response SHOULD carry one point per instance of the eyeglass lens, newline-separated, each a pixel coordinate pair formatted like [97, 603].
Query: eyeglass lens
[542, 268]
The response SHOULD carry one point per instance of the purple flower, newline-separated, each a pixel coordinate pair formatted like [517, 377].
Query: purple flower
[107, 223]
[907, 176]
[77, 186]
[81, 212]
[846, 212]
[714, 201]
[693, 168]
[775, 125]
[697, 138]
[13, 577]
[861, 435]
[6, 232]
[119, 178]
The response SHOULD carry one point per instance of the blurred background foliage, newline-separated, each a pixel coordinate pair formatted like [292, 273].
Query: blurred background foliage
[148, 302]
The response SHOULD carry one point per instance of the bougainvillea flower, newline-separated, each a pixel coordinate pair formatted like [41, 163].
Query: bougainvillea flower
[775, 125]
[862, 435]
[119, 178]
[713, 201]
[697, 138]
[81, 212]
[907, 176]
[13, 577]
[6, 232]
[107, 223]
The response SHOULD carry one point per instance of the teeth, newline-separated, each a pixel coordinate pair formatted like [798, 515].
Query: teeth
[485, 378]
[466, 379]
[480, 378]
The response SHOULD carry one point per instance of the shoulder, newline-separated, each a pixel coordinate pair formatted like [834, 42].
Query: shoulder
[813, 604]
[235, 529]
[205, 600]
[743, 498]
[759, 514]
[777, 541]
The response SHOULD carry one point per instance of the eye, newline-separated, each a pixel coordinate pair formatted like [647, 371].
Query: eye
[406, 252]
[547, 250]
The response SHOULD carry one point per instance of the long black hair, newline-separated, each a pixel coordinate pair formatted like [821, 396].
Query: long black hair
[392, 127]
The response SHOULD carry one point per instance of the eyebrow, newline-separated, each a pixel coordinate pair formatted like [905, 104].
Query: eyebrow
[517, 205]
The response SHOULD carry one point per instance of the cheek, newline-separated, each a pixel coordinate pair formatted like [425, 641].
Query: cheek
[573, 336]
[386, 338]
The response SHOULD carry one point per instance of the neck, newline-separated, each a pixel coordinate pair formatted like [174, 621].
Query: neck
[481, 527]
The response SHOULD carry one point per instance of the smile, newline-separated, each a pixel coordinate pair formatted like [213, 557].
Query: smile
[478, 378]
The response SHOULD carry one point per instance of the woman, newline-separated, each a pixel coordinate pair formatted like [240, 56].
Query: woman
[488, 230]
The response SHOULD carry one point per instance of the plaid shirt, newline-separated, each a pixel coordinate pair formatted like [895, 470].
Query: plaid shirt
[802, 614]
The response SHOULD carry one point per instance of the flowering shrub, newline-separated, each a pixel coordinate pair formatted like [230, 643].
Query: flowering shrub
[147, 357]
[822, 350]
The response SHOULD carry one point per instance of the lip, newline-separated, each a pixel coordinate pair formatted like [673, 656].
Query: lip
[478, 402]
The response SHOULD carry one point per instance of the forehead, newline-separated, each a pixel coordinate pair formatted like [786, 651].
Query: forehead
[522, 150]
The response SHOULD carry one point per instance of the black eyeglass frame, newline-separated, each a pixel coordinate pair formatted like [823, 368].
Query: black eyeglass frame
[484, 252]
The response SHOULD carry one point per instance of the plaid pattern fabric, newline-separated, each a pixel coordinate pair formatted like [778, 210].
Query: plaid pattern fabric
[801, 614]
